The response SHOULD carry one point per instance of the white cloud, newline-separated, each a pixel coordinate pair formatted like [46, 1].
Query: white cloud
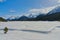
[12, 11]
[44, 10]
[2, 0]
[58, 1]
[36, 12]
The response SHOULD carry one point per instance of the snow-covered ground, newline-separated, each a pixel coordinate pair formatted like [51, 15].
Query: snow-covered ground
[24, 30]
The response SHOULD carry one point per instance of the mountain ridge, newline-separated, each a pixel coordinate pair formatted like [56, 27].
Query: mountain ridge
[52, 15]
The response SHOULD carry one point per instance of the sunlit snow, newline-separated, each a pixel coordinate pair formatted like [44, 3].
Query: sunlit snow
[32, 30]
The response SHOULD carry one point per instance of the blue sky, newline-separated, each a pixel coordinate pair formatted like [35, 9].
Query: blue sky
[18, 7]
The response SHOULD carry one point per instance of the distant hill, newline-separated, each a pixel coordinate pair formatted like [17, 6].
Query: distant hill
[2, 19]
[51, 17]
[22, 18]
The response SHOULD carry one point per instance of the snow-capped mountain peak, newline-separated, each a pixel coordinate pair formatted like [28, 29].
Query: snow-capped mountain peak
[56, 9]
[35, 12]
[13, 17]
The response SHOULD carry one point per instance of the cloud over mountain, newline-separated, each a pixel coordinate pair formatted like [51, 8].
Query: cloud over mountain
[58, 1]
[40, 11]
[2, 0]
[12, 11]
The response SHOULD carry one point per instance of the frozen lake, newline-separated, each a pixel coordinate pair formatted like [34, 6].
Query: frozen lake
[24, 30]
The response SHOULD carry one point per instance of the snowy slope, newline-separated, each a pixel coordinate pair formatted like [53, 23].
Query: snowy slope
[36, 12]
[55, 10]
[13, 17]
[26, 35]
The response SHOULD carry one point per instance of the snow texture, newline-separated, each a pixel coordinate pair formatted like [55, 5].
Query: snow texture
[39, 30]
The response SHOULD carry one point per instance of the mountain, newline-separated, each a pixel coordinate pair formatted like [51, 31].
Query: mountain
[53, 15]
[17, 18]
[32, 13]
[23, 18]
[56, 9]
[13, 18]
